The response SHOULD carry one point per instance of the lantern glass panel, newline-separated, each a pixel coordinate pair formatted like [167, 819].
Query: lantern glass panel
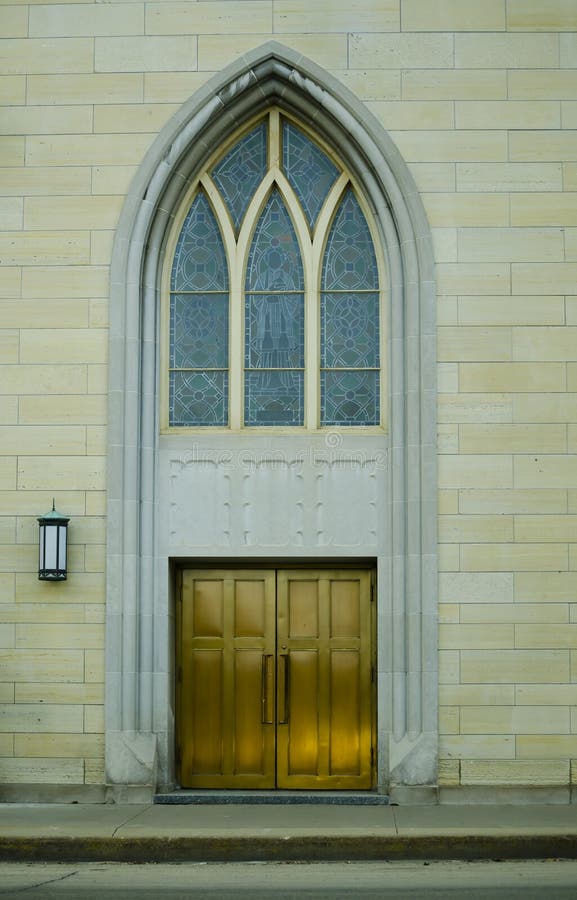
[62, 547]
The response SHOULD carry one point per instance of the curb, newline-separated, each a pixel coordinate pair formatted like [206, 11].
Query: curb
[288, 848]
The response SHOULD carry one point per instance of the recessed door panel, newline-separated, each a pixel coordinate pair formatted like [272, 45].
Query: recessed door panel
[300, 731]
[250, 607]
[208, 609]
[345, 713]
[275, 684]
[248, 738]
[205, 756]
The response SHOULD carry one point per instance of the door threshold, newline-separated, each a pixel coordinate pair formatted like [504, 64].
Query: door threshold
[336, 798]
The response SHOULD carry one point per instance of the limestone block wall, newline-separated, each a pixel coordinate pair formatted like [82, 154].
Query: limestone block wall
[480, 99]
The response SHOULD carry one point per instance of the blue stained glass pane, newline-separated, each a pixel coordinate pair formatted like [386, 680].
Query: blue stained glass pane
[350, 262]
[308, 169]
[198, 398]
[350, 330]
[274, 262]
[274, 331]
[199, 260]
[199, 331]
[350, 398]
[240, 172]
[274, 398]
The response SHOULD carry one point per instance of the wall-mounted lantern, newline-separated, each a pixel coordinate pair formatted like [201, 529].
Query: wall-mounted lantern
[52, 546]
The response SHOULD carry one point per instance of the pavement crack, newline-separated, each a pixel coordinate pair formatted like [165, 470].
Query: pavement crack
[395, 821]
[129, 820]
[39, 884]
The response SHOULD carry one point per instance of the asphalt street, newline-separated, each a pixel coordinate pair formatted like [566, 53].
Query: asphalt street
[417, 880]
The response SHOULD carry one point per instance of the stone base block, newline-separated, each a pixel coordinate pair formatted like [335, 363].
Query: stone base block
[414, 795]
[518, 795]
[52, 793]
[129, 793]
[131, 759]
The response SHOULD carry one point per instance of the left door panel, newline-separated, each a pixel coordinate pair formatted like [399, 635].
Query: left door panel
[226, 693]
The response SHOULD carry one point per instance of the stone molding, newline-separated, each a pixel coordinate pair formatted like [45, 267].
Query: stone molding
[138, 632]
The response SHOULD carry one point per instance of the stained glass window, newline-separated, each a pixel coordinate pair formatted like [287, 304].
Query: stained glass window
[264, 286]
[198, 358]
[274, 321]
[240, 172]
[350, 262]
[199, 260]
[349, 330]
[310, 172]
[350, 321]
[198, 398]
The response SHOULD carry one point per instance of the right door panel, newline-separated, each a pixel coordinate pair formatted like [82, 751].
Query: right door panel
[324, 688]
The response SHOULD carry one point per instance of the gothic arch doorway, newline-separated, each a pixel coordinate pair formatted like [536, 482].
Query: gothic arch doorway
[140, 666]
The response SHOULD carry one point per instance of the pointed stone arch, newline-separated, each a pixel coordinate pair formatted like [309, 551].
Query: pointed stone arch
[139, 679]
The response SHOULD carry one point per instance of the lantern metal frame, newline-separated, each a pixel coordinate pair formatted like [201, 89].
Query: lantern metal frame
[52, 546]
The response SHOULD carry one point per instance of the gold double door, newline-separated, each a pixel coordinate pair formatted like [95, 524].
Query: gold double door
[275, 686]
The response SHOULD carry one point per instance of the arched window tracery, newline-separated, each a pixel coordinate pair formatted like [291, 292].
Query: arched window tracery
[275, 300]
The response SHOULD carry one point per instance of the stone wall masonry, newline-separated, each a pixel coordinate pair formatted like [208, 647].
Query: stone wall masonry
[480, 100]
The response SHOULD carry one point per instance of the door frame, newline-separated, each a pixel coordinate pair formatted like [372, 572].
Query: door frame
[139, 710]
[276, 565]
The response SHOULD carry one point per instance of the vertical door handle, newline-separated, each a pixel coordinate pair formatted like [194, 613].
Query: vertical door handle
[284, 688]
[267, 680]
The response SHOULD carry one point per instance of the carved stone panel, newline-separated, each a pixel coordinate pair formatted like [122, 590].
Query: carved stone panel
[273, 500]
[199, 494]
[347, 494]
[293, 495]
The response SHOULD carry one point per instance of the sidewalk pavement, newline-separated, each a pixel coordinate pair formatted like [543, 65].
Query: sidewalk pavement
[231, 832]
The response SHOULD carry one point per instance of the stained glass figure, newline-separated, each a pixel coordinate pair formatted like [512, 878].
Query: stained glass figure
[198, 358]
[199, 260]
[274, 398]
[274, 322]
[240, 172]
[274, 331]
[350, 262]
[274, 262]
[308, 169]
